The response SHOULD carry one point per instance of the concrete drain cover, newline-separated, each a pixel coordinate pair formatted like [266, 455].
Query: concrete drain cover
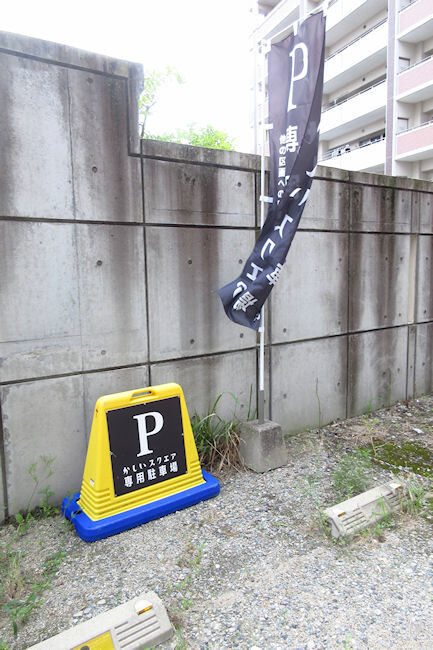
[348, 517]
[139, 623]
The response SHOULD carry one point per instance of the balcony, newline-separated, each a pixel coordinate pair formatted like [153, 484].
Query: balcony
[368, 158]
[279, 18]
[415, 84]
[361, 55]
[416, 143]
[344, 16]
[355, 112]
[416, 22]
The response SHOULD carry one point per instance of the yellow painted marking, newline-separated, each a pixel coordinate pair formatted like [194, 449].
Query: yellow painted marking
[100, 642]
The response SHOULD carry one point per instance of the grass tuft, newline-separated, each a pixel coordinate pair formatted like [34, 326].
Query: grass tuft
[217, 439]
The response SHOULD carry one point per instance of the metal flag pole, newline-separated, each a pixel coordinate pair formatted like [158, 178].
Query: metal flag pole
[263, 199]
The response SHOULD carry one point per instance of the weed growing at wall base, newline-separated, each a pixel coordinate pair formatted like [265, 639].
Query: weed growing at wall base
[216, 439]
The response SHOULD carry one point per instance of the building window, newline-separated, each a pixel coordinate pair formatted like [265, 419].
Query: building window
[402, 124]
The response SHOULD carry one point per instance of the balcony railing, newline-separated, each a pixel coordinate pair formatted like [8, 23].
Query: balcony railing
[347, 99]
[409, 67]
[416, 17]
[355, 40]
[340, 151]
[413, 128]
[415, 143]
[409, 4]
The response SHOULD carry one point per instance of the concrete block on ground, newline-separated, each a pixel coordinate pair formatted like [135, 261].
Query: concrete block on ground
[184, 271]
[379, 280]
[309, 383]
[43, 419]
[139, 623]
[380, 209]
[112, 295]
[97, 384]
[199, 194]
[39, 301]
[310, 299]
[424, 359]
[327, 207]
[424, 293]
[205, 378]
[107, 181]
[262, 445]
[35, 149]
[351, 516]
[377, 369]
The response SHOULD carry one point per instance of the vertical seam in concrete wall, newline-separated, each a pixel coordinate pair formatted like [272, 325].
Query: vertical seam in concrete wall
[71, 147]
[414, 361]
[128, 117]
[349, 240]
[3, 487]
[413, 273]
[407, 361]
[146, 275]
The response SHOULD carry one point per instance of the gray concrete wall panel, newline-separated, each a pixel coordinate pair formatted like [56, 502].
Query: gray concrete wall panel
[424, 294]
[426, 213]
[39, 301]
[161, 150]
[97, 384]
[185, 268]
[107, 182]
[43, 418]
[309, 383]
[112, 295]
[204, 379]
[57, 53]
[377, 369]
[424, 359]
[311, 298]
[35, 148]
[380, 209]
[378, 280]
[197, 194]
[327, 207]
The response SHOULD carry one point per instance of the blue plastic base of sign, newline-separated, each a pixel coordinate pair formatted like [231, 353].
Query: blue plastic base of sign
[91, 531]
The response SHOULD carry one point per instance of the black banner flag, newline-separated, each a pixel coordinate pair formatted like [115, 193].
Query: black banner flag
[295, 102]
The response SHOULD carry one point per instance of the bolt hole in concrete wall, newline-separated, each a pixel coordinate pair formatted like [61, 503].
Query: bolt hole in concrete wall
[111, 251]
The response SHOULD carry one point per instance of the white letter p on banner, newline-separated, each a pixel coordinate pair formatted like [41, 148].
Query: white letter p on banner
[143, 433]
[301, 75]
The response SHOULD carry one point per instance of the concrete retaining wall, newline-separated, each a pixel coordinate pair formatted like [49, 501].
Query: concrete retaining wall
[111, 251]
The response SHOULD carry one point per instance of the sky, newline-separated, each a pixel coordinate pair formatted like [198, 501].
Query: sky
[205, 40]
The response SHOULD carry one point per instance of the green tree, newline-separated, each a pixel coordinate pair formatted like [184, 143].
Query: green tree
[153, 82]
[204, 136]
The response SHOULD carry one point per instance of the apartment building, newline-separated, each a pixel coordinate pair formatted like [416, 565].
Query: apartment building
[377, 113]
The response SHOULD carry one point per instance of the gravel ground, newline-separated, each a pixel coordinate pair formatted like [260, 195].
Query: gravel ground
[253, 568]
